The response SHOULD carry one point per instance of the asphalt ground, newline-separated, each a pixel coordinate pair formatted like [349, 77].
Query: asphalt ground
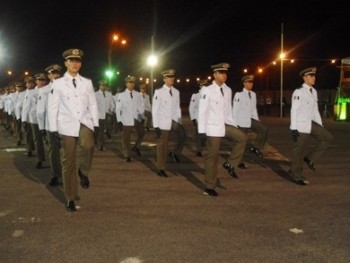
[129, 214]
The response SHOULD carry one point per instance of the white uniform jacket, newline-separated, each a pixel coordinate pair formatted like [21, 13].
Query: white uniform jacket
[166, 108]
[42, 106]
[11, 103]
[29, 102]
[304, 109]
[215, 110]
[19, 104]
[128, 109]
[114, 102]
[193, 107]
[104, 103]
[244, 108]
[69, 107]
[6, 102]
[2, 100]
[146, 102]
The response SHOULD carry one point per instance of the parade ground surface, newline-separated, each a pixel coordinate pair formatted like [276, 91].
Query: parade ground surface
[129, 214]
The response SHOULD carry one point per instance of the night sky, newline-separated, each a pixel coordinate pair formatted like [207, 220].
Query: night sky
[189, 36]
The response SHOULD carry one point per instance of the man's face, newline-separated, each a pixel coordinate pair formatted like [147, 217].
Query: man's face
[19, 88]
[248, 84]
[130, 85]
[103, 87]
[220, 76]
[54, 75]
[40, 82]
[30, 85]
[310, 79]
[169, 80]
[73, 65]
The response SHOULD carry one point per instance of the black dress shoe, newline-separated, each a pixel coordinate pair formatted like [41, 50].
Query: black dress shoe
[53, 182]
[161, 173]
[199, 154]
[257, 152]
[137, 150]
[70, 206]
[84, 180]
[174, 157]
[128, 159]
[230, 169]
[301, 181]
[39, 165]
[310, 164]
[210, 192]
[242, 166]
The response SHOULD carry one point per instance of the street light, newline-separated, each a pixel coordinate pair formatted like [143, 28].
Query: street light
[115, 39]
[152, 61]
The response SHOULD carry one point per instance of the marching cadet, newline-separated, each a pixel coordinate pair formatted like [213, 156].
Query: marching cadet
[245, 116]
[6, 102]
[17, 109]
[40, 80]
[166, 115]
[215, 120]
[2, 101]
[129, 112]
[73, 114]
[105, 106]
[53, 72]
[116, 125]
[11, 99]
[30, 84]
[305, 122]
[147, 106]
[193, 110]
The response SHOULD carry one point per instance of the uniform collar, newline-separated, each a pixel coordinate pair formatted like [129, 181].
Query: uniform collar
[169, 88]
[68, 76]
[307, 86]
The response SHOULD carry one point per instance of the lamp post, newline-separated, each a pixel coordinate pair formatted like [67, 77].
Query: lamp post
[282, 56]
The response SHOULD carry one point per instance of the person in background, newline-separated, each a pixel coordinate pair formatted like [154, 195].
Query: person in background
[268, 104]
[166, 114]
[261, 104]
[2, 101]
[147, 106]
[245, 116]
[10, 101]
[17, 105]
[129, 111]
[73, 116]
[40, 80]
[193, 111]
[105, 106]
[116, 128]
[305, 122]
[30, 84]
[53, 72]
[215, 121]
